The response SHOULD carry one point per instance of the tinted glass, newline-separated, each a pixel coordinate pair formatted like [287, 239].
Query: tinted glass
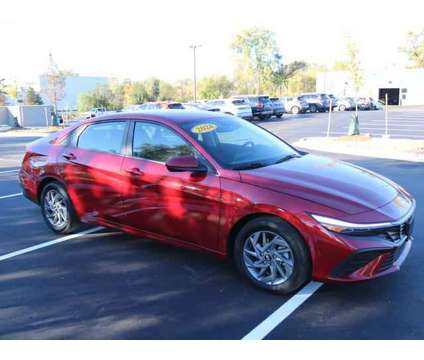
[236, 144]
[175, 106]
[106, 137]
[158, 143]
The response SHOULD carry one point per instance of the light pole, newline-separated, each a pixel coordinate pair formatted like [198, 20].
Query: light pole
[194, 47]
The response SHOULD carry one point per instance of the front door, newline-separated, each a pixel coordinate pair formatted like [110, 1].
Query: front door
[174, 205]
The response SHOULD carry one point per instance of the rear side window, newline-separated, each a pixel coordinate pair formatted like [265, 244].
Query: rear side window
[158, 143]
[105, 137]
[238, 102]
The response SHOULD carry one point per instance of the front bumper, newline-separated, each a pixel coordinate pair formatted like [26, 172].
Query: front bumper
[365, 264]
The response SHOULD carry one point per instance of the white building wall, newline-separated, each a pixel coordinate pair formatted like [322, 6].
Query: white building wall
[339, 83]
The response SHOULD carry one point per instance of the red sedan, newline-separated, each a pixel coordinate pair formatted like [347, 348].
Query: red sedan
[217, 183]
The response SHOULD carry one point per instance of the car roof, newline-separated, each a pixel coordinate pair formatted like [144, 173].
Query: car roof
[167, 115]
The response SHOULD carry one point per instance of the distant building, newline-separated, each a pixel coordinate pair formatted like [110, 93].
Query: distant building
[74, 86]
[403, 86]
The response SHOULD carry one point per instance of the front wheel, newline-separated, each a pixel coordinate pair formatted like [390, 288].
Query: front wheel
[57, 209]
[271, 254]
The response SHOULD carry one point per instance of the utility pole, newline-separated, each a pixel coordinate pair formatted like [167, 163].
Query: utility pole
[194, 47]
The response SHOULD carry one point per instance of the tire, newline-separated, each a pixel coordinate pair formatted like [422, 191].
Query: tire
[279, 116]
[313, 108]
[62, 220]
[292, 245]
[295, 110]
[342, 108]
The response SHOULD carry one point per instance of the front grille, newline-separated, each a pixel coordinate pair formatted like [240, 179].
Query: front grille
[400, 232]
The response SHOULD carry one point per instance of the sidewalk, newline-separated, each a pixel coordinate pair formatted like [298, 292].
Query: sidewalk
[385, 148]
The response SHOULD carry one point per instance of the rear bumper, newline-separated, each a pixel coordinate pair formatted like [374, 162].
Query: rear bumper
[28, 185]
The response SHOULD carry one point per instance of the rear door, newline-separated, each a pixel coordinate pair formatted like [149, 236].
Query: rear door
[170, 205]
[91, 168]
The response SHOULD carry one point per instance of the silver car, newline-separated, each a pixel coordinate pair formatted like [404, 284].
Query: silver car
[236, 107]
[294, 105]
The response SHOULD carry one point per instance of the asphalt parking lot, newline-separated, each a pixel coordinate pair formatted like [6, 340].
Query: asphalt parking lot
[402, 123]
[104, 284]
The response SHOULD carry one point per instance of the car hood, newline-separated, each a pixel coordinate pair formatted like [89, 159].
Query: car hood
[332, 183]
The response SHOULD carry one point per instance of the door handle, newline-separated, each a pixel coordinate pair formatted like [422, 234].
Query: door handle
[69, 156]
[135, 171]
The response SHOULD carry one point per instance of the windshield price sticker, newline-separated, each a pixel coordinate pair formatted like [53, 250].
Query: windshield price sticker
[203, 128]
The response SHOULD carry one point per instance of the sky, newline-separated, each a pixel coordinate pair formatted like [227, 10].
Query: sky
[141, 39]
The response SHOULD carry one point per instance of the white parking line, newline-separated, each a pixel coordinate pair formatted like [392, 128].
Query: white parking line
[10, 196]
[48, 243]
[283, 312]
[8, 171]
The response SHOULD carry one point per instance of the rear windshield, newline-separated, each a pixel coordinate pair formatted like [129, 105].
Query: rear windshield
[263, 98]
[175, 106]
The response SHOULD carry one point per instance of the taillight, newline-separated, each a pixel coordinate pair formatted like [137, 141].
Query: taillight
[260, 105]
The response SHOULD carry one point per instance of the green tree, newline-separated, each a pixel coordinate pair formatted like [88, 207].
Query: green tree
[256, 50]
[414, 48]
[215, 87]
[304, 80]
[167, 91]
[354, 65]
[138, 93]
[101, 97]
[32, 97]
[282, 73]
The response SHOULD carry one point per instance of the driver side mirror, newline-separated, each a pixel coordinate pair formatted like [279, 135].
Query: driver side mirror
[185, 163]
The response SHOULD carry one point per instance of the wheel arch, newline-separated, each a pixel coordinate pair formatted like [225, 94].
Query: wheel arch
[43, 183]
[249, 217]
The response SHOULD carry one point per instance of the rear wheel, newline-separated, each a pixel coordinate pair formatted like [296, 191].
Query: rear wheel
[272, 255]
[313, 108]
[295, 110]
[57, 209]
[279, 116]
[342, 108]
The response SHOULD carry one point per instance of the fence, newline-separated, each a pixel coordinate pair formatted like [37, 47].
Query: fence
[26, 115]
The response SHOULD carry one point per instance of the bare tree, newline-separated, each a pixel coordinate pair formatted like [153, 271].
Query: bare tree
[55, 83]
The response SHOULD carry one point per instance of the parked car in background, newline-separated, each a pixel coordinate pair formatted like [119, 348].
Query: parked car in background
[200, 106]
[294, 105]
[261, 105]
[333, 101]
[346, 103]
[277, 106]
[157, 105]
[364, 103]
[376, 104]
[236, 107]
[317, 101]
[95, 112]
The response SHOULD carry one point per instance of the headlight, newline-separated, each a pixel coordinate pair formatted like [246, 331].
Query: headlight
[340, 226]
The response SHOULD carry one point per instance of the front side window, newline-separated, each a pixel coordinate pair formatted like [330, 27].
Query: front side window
[237, 144]
[158, 143]
[105, 137]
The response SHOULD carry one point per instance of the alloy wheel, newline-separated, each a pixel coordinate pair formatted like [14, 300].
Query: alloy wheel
[56, 210]
[268, 257]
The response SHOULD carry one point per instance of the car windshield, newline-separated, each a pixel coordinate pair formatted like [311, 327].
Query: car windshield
[237, 144]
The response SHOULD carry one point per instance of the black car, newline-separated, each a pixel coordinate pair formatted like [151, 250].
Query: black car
[261, 105]
[317, 101]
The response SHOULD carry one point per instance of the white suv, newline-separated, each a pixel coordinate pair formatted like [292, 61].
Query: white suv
[234, 107]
